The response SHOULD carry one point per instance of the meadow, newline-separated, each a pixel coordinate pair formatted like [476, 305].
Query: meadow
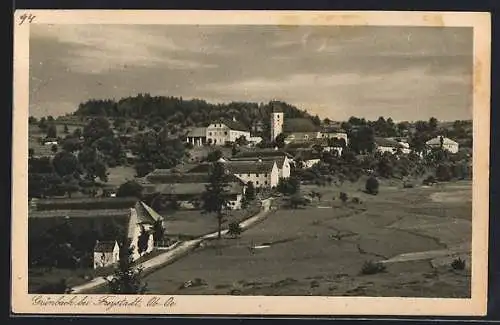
[321, 249]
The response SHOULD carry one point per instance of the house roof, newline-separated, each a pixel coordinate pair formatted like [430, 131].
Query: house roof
[308, 154]
[299, 125]
[263, 153]
[233, 125]
[85, 203]
[194, 188]
[197, 132]
[332, 129]
[79, 213]
[104, 246]
[250, 167]
[437, 141]
[160, 176]
[383, 142]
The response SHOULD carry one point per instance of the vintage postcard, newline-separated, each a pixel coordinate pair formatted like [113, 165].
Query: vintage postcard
[250, 162]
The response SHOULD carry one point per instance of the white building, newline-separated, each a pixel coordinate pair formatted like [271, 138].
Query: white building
[260, 173]
[277, 120]
[223, 131]
[384, 145]
[446, 143]
[106, 253]
[283, 160]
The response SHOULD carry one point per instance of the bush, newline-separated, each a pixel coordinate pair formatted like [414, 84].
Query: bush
[356, 200]
[458, 264]
[343, 197]
[372, 186]
[370, 267]
[429, 180]
[234, 229]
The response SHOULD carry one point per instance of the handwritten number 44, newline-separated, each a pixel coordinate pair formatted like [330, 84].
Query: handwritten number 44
[25, 17]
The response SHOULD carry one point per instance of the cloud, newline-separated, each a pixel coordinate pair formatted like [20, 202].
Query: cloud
[99, 48]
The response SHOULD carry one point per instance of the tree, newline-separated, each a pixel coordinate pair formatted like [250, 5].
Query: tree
[142, 241]
[32, 120]
[158, 231]
[372, 185]
[280, 140]
[249, 194]
[241, 140]
[343, 197]
[234, 229]
[66, 130]
[97, 128]
[42, 124]
[214, 156]
[70, 185]
[65, 163]
[126, 278]
[93, 164]
[288, 186]
[215, 199]
[130, 189]
[362, 140]
[54, 148]
[52, 131]
[433, 123]
[71, 144]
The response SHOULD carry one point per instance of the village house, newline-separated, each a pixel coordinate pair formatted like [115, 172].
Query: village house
[262, 173]
[133, 217]
[187, 188]
[443, 142]
[225, 131]
[106, 253]
[197, 136]
[306, 158]
[334, 133]
[283, 160]
[392, 146]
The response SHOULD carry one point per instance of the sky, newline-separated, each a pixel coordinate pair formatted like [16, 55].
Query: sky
[406, 73]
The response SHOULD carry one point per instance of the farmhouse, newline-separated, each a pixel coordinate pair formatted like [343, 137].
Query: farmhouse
[187, 188]
[262, 173]
[107, 217]
[307, 158]
[446, 143]
[197, 136]
[283, 160]
[106, 253]
[223, 131]
[383, 145]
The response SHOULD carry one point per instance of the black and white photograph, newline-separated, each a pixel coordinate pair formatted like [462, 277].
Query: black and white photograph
[285, 156]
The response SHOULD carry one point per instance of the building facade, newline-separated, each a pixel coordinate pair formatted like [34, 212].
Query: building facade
[263, 174]
[106, 253]
[446, 143]
[221, 132]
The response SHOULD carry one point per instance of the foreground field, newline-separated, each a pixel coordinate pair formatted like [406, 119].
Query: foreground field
[320, 250]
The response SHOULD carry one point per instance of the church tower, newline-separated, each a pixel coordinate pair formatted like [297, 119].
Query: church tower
[277, 119]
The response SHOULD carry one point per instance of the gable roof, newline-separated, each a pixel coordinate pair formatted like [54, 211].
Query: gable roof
[233, 125]
[250, 167]
[383, 142]
[106, 246]
[299, 125]
[198, 174]
[197, 132]
[84, 203]
[262, 153]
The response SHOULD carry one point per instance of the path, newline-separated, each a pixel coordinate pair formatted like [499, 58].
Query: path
[417, 256]
[179, 251]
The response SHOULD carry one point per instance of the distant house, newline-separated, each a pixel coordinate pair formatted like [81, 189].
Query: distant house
[283, 160]
[446, 143]
[197, 136]
[392, 146]
[106, 253]
[131, 216]
[187, 188]
[307, 157]
[225, 131]
[262, 173]
[334, 133]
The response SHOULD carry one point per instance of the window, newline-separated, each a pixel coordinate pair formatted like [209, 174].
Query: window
[265, 182]
[210, 134]
[256, 175]
[248, 175]
[265, 175]
[257, 182]
[225, 132]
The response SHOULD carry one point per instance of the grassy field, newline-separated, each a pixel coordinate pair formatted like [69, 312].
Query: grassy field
[321, 249]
